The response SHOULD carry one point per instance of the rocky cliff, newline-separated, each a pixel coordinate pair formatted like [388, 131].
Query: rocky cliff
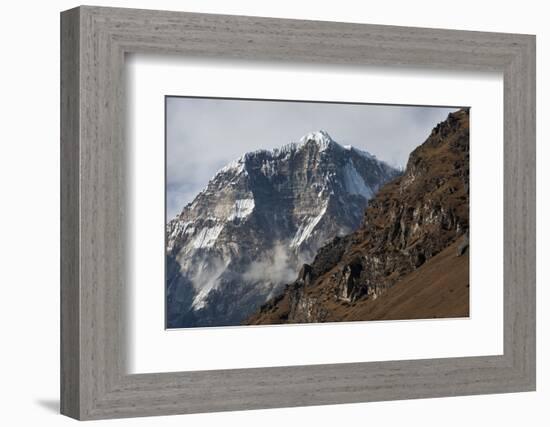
[259, 219]
[416, 224]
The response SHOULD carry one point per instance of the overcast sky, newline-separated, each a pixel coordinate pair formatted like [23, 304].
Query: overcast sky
[204, 134]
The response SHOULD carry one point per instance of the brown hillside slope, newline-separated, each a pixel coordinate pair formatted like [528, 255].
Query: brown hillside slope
[439, 288]
[421, 214]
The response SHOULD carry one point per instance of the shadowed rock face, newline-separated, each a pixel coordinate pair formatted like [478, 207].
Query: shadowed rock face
[411, 220]
[259, 219]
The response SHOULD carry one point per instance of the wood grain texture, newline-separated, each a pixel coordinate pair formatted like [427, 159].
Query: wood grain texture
[94, 270]
[70, 292]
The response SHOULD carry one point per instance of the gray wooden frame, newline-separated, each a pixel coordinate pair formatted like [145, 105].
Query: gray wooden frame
[94, 41]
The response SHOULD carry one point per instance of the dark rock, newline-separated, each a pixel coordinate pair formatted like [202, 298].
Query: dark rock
[463, 246]
[305, 273]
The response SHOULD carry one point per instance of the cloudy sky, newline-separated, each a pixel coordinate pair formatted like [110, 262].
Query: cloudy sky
[204, 134]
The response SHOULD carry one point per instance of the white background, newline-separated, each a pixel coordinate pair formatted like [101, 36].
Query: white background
[29, 213]
[152, 349]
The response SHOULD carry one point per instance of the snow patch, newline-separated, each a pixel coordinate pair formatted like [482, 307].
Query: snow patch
[321, 138]
[285, 149]
[235, 166]
[206, 237]
[208, 275]
[187, 227]
[242, 208]
[269, 168]
[354, 182]
[306, 228]
[200, 299]
[178, 228]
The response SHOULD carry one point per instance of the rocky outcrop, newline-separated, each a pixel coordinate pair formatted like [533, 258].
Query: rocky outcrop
[463, 245]
[259, 219]
[411, 220]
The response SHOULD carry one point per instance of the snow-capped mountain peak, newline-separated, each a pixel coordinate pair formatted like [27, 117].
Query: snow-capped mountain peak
[321, 138]
[235, 167]
[258, 220]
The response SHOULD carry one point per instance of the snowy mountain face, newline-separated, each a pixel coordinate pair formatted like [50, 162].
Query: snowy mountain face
[259, 219]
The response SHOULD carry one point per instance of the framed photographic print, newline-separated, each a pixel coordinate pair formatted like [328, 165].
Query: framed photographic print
[262, 213]
[275, 215]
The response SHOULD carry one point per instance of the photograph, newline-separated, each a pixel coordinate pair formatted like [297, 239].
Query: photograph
[292, 212]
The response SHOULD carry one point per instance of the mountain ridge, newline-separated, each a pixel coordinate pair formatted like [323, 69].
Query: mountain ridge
[259, 218]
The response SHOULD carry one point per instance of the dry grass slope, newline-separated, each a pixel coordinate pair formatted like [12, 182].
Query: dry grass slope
[439, 288]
